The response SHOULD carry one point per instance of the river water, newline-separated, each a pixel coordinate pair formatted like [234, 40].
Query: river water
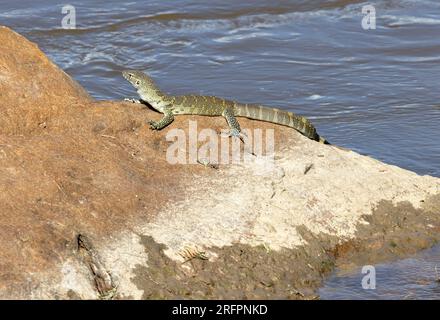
[417, 277]
[375, 91]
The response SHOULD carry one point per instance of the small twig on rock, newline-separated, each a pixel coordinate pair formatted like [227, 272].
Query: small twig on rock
[189, 253]
[308, 167]
[59, 188]
[107, 136]
[297, 292]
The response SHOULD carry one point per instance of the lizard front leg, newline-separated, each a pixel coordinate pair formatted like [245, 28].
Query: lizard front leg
[168, 117]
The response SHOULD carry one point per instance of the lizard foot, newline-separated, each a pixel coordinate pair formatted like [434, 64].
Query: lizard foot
[153, 125]
[235, 133]
[132, 100]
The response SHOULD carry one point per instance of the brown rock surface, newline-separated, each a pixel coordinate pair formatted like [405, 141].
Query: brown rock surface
[70, 165]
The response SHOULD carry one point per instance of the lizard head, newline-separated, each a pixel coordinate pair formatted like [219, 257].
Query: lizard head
[138, 79]
[145, 86]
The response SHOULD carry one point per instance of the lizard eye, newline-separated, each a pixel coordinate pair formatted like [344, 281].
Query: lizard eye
[138, 82]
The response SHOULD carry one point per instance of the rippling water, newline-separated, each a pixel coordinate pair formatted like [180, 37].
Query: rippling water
[374, 91]
[414, 278]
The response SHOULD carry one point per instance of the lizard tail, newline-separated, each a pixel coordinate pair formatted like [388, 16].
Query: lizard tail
[286, 118]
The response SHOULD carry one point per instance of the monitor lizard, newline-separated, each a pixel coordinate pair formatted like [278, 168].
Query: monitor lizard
[212, 106]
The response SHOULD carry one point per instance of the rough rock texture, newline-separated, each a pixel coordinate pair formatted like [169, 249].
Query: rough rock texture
[90, 207]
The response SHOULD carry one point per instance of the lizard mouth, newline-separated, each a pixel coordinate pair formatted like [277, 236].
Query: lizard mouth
[126, 74]
[130, 77]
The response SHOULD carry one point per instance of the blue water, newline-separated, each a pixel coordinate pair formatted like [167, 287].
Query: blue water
[417, 277]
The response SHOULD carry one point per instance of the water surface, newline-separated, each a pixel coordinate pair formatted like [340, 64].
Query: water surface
[417, 277]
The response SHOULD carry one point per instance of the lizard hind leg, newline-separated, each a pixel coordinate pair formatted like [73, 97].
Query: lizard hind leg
[234, 126]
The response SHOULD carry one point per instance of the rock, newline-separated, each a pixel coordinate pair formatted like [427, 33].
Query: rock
[32, 88]
[91, 208]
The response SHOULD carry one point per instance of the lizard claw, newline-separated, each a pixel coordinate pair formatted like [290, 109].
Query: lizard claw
[153, 125]
[236, 133]
[132, 100]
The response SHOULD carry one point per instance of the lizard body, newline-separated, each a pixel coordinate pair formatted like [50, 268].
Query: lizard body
[213, 106]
